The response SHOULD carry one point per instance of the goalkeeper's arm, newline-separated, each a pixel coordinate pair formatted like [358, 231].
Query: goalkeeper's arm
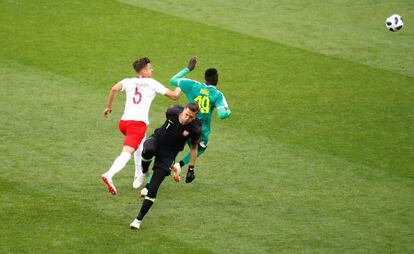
[190, 172]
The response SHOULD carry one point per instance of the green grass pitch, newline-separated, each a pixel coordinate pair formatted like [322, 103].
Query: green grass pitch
[317, 156]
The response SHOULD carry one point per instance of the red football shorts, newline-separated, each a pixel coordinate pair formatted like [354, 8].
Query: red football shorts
[134, 132]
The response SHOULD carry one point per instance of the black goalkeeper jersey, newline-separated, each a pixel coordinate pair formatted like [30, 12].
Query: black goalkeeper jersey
[172, 135]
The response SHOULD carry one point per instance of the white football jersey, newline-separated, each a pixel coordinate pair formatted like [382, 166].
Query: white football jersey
[139, 95]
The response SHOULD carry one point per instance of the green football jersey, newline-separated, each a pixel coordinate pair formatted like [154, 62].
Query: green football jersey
[207, 97]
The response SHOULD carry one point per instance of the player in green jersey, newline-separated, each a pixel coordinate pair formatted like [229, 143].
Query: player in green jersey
[208, 98]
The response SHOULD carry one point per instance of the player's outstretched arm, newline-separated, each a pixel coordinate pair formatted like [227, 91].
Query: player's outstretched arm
[193, 157]
[193, 154]
[173, 95]
[191, 65]
[111, 97]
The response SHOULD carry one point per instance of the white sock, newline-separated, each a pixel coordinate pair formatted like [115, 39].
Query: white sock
[119, 164]
[137, 158]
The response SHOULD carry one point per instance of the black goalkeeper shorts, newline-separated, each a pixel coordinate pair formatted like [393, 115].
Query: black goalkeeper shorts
[164, 159]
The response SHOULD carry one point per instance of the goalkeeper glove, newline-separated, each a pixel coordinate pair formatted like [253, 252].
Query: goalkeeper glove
[190, 174]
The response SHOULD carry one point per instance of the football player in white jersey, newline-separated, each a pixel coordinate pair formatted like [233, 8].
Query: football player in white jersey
[140, 91]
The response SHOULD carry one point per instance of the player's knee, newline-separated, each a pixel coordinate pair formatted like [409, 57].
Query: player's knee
[149, 150]
[147, 156]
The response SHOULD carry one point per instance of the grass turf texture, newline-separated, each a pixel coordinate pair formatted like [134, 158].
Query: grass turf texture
[316, 158]
[352, 30]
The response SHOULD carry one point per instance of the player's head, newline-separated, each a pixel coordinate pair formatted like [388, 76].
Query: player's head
[189, 113]
[143, 67]
[211, 76]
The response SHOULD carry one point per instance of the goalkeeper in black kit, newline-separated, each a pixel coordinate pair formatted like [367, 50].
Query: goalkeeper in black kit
[167, 141]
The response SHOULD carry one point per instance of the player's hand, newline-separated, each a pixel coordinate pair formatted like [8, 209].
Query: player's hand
[176, 172]
[192, 63]
[190, 175]
[107, 111]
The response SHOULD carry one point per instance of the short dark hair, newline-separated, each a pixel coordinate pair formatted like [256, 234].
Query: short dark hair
[211, 76]
[140, 64]
[193, 107]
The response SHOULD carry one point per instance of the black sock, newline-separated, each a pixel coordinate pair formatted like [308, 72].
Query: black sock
[145, 165]
[181, 164]
[146, 205]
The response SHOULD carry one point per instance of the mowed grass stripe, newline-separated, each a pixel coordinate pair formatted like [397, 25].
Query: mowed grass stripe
[286, 199]
[39, 221]
[338, 107]
[55, 200]
[351, 30]
[311, 103]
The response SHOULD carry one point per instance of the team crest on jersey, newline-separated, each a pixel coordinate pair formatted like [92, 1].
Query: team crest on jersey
[186, 133]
